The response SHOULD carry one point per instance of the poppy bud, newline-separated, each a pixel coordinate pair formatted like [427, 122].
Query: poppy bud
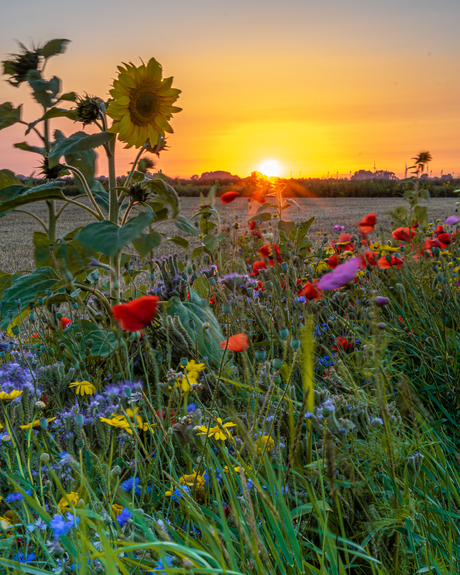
[44, 423]
[284, 333]
[227, 308]
[277, 363]
[79, 420]
[44, 457]
[295, 344]
[15, 330]
[261, 355]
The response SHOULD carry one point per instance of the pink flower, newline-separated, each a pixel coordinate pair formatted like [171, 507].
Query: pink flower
[342, 274]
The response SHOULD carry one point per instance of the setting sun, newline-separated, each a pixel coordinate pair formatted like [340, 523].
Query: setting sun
[270, 168]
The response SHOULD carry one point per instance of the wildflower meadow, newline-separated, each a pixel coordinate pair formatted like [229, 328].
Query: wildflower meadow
[269, 403]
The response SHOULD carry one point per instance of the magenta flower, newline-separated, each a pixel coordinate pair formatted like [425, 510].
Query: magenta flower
[451, 220]
[342, 274]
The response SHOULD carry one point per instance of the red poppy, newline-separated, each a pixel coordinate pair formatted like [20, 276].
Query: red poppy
[252, 225]
[366, 225]
[445, 239]
[260, 286]
[309, 292]
[402, 234]
[229, 197]
[343, 244]
[136, 314]
[333, 262]
[368, 258]
[342, 344]
[257, 266]
[238, 342]
[258, 197]
[270, 249]
[212, 300]
[440, 229]
[394, 262]
[65, 322]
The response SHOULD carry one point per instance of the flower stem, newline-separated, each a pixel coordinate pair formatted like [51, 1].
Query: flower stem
[113, 217]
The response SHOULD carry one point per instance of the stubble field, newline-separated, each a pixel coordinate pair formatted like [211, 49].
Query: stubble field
[16, 247]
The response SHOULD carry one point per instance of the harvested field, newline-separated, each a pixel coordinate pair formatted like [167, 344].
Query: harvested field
[16, 248]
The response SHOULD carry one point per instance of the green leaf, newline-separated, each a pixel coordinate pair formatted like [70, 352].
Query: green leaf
[185, 225]
[78, 142]
[182, 242]
[7, 179]
[146, 243]
[70, 257]
[53, 47]
[109, 238]
[197, 251]
[104, 342]
[27, 288]
[421, 214]
[44, 91]
[286, 226]
[9, 115]
[263, 217]
[25, 146]
[52, 113]
[164, 192]
[68, 97]
[304, 229]
[211, 243]
[193, 314]
[16, 196]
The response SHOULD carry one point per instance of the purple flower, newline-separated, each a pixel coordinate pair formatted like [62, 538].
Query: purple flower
[451, 220]
[124, 516]
[342, 274]
[339, 228]
[381, 301]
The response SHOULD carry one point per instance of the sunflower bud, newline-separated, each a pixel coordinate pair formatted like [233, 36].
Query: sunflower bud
[51, 173]
[87, 110]
[20, 65]
[138, 194]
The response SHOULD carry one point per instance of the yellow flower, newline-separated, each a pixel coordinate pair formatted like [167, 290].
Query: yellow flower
[184, 384]
[117, 509]
[142, 104]
[120, 423]
[193, 369]
[35, 423]
[9, 396]
[237, 469]
[219, 432]
[83, 387]
[268, 441]
[71, 499]
[192, 479]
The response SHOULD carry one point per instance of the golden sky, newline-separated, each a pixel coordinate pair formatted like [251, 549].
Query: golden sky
[320, 86]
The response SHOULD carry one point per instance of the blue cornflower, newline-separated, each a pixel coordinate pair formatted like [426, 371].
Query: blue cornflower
[191, 407]
[39, 523]
[65, 458]
[162, 563]
[177, 493]
[124, 516]
[61, 526]
[12, 497]
[300, 299]
[19, 557]
[131, 483]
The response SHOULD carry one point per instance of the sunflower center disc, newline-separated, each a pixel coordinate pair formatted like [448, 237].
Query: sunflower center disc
[144, 107]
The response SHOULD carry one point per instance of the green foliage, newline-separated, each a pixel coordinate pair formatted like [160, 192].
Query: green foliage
[77, 143]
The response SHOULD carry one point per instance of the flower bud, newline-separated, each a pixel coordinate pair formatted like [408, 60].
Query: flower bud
[381, 301]
[40, 404]
[44, 457]
[6, 438]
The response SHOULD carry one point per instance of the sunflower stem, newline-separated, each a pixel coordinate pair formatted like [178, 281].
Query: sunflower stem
[113, 217]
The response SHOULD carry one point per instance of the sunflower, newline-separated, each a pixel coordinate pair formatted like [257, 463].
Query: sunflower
[142, 104]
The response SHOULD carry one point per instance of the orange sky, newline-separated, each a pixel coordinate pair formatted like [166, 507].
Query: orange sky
[318, 86]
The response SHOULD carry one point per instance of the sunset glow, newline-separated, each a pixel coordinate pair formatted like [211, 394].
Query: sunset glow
[379, 91]
[270, 168]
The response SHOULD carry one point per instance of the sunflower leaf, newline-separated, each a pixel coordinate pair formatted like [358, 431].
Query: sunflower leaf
[15, 196]
[9, 115]
[78, 142]
[109, 238]
[54, 47]
[52, 113]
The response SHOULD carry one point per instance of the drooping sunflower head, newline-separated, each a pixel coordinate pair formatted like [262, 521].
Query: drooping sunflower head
[142, 104]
